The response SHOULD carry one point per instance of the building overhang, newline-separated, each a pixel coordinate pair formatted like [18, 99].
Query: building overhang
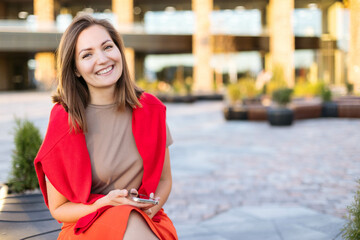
[21, 41]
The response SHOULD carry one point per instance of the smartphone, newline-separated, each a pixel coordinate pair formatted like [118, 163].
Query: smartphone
[145, 200]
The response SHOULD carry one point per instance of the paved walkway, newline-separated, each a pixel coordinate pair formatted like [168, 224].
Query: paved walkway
[233, 180]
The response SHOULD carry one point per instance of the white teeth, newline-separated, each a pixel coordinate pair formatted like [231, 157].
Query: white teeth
[106, 70]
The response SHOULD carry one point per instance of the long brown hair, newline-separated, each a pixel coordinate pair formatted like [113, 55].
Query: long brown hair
[72, 91]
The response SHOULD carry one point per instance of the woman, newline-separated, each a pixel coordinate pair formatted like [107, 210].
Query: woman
[105, 137]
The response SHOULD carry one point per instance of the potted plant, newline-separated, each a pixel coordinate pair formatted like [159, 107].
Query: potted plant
[329, 108]
[27, 141]
[234, 109]
[182, 90]
[277, 80]
[351, 229]
[279, 114]
[249, 92]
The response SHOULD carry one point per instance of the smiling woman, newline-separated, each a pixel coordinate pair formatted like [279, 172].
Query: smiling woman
[106, 142]
[98, 62]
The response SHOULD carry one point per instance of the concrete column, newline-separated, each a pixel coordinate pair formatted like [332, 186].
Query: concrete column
[336, 56]
[130, 59]
[45, 69]
[124, 12]
[4, 74]
[354, 45]
[202, 46]
[2, 10]
[44, 11]
[139, 65]
[282, 41]
[45, 61]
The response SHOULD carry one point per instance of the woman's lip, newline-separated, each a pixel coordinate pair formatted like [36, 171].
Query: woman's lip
[109, 67]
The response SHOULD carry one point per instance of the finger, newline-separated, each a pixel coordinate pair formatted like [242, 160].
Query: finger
[151, 195]
[123, 193]
[133, 192]
[148, 211]
[114, 193]
[118, 193]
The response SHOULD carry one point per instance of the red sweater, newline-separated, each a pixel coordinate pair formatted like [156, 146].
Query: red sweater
[65, 160]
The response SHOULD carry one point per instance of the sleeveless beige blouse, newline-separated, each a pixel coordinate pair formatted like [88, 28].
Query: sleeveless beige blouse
[115, 160]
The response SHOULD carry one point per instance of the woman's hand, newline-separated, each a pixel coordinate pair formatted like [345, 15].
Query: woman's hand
[121, 197]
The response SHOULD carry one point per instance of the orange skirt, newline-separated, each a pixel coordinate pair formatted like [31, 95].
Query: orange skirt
[113, 222]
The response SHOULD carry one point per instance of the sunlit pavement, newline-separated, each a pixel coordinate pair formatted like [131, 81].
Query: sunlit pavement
[239, 179]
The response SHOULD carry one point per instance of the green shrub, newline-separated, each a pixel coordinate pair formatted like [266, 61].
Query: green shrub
[234, 93]
[248, 87]
[151, 87]
[282, 96]
[351, 230]
[308, 89]
[326, 94]
[277, 80]
[27, 141]
[349, 88]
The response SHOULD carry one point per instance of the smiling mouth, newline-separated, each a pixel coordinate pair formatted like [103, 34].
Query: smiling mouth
[106, 70]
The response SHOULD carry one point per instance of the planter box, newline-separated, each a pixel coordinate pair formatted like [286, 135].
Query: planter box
[307, 110]
[257, 112]
[176, 98]
[348, 107]
[235, 113]
[349, 110]
[280, 116]
[329, 109]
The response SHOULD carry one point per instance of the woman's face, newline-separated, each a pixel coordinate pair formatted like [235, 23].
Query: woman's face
[97, 58]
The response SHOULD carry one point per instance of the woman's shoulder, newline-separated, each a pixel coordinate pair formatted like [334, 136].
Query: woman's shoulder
[58, 110]
[58, 122]
[58, 127]
[148, 99]
[58, 116]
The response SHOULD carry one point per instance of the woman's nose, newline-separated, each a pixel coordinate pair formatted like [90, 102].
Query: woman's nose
[101, 57]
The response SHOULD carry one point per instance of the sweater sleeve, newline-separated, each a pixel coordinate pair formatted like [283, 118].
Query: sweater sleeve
[64, 159]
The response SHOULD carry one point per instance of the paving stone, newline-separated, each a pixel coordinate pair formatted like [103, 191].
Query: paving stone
[222, 168]
[297, 232]
[251, 235]
[328, 225]
[190, 230]
[277, 212]
[205, 236]
[247, 228]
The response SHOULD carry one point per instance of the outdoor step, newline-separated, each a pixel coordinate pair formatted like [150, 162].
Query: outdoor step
[25, 216]
[24, 207]
[26, 230]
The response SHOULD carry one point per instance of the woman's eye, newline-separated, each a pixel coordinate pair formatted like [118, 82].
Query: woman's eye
[86, 55]
[108, 47]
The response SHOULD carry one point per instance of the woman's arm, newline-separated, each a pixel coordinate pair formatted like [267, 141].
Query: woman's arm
[65, 211]
[164, 186]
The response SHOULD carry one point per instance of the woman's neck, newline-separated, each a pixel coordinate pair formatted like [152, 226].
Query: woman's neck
[103, 96]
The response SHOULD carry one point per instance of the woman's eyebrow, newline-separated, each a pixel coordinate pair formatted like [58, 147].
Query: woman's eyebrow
[106, 41]
[87, 49]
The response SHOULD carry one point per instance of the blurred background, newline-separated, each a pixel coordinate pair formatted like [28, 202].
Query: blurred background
[192, 46]
[224, 61]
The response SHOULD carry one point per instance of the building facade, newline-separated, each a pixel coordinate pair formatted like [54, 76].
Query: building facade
[310, 39]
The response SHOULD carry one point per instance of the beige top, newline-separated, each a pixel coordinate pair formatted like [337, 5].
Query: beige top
[115, 160]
